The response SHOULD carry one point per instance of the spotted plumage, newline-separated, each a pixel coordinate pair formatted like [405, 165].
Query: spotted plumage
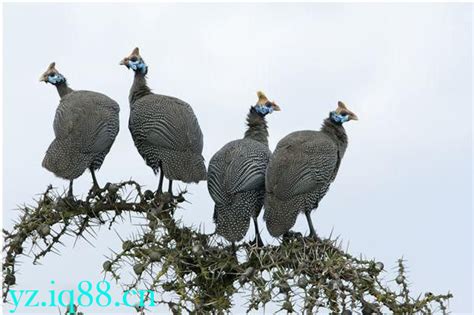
[301, 170]
[236, 176]
[164, 129]
[85, 127]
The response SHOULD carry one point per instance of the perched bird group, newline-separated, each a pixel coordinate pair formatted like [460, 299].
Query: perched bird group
[243, 176]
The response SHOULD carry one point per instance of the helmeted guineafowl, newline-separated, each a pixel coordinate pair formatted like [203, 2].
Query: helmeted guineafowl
[164, 129]
[236, 176]
[301, 169]
[85, 126]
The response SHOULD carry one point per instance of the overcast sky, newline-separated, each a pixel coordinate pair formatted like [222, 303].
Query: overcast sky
[404, 185]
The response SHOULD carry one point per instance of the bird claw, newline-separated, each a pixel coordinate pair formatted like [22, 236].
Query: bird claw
[313, 236]
[148, 195]
[292, 235]
[167, 197]
[68, 202]
[163, 197]
[69, 198]
[95, 191]
[179, 198]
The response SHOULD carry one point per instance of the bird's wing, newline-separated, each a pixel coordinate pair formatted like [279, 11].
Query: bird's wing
[215, 181]
[83, 118]
[237, 167]
[175, 127]
[302, 166]
[102, 139]
[247, 169]
[67, 118]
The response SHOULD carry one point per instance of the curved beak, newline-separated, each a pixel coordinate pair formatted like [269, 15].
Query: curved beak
[276, 107]
[43, 78]
[353, 116]
[124, 62]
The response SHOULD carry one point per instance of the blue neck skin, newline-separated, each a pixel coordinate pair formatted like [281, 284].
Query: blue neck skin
[338, 118]
[138, 65]
[263, 110]
[56, 78]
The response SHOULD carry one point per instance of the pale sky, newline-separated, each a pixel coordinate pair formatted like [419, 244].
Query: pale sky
[404, 184]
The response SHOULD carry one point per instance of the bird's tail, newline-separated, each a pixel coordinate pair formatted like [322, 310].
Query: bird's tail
[189, 168]
[279, 215]
[232, 222]
[64, 160]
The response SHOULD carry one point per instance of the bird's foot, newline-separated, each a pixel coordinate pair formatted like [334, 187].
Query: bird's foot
[179, 198]
[167, 197]
[292, 235]
[313, 236]
[163, 197]
[233, 249]
[66, 203]
[148, 195]
[95, 191]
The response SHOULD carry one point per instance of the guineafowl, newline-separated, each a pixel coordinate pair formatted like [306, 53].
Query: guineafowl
[85, 126]
[301, 169]
[164, 129]
[236, 176]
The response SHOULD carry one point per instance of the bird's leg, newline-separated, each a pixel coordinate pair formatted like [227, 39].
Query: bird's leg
[95, 189]
[170, 187]
[312, 232]
[160, 184]
[258, 240]
[95, 185]
[69, 193]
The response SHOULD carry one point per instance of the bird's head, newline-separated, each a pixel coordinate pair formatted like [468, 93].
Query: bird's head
[52, 75]
[135, 62]
[264, 106]
[342, 114]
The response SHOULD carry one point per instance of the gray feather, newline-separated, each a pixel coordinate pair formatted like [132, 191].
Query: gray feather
[236, 179]
[166, 132]
[299, 174]
[85, 126]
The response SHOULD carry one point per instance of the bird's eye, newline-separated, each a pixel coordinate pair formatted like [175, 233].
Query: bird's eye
[52, 75]
[268, 104]
[133, 59]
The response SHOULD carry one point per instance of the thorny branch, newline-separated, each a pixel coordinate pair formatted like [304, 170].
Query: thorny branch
[193, 272]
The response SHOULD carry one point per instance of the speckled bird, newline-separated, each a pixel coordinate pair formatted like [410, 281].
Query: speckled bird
[301, 169]
[165, 130]
[85, 126]
[236, 176]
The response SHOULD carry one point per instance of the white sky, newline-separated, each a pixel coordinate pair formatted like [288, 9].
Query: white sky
[404, 185]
